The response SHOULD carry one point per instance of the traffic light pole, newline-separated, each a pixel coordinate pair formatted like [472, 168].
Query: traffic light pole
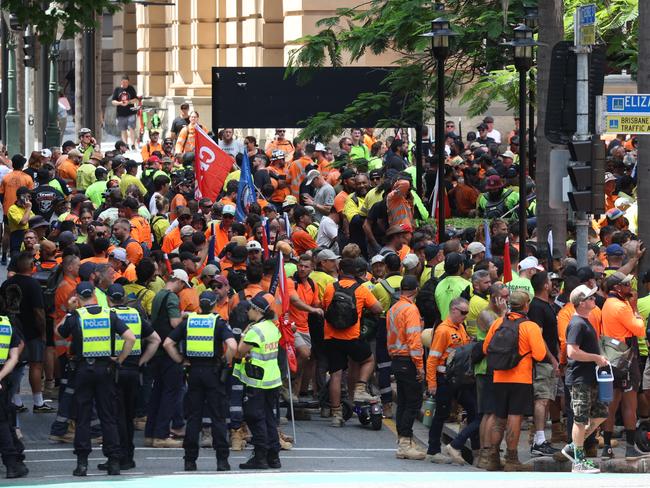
[582, 134]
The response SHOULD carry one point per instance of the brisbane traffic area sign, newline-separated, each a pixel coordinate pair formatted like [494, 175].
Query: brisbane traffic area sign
[624, 114]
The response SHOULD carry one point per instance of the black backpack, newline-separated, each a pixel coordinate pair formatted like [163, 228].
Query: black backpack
[503, 350]
[426, 302]
[236, 279]
[460, 365]
[238, 317]
[49, 280]
[342, 311]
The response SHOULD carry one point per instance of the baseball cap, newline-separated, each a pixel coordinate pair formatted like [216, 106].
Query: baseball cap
[348, 173]
[259, 302]
[46, 153]
[188, 255]
[277, 154]
[85, 289]
[475, 248]
[187, 230]
[410, 261]
[289, 201]
[85, 130]
[375, 173]
[37, 221]
[238, 254]
[184, 211]
[228, 210]
[377, 258]
[609, 177]
[453, 261]
[430, 251]
[481, 127]
[615, 250]
[208, 298]
[74, 153]
[209, 270]
[66, 238]
[320, 147]
[311, 176]
[519, 298]
[581, 293]
[86, 269]
[119, 253]
[614, 213]
[179, 274]
[116, 292]
[618, 278]
[508, 154]
[529, 263]
[493, 183]
[409, 283]
[326, 255]
[253, 246]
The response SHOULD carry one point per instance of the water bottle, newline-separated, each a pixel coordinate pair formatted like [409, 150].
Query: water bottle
[429, 407]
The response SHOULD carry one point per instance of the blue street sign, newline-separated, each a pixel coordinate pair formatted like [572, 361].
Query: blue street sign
[627, 104]
[587, 15]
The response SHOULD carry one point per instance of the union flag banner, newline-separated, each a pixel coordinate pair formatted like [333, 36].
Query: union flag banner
[211, 166]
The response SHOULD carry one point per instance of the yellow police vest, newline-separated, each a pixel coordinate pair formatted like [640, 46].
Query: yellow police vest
[5, 338]
[131, 318]
[199, 342]
[96, 333]
[264, 354]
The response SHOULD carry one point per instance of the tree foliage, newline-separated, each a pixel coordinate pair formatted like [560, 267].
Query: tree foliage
[71, 15]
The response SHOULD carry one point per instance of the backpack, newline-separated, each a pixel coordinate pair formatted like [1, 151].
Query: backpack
[393, 293]
[237, 279]
[238, 317]
[494, 210]
[460, 365]
[49, 280]
[425, 300]
[503, 350]
[156, 245]
[342, 311]
[136, 302]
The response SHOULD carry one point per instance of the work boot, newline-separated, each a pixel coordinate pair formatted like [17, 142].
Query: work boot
[113, 468]
[454, 454]
[223, 464]
[558, 433]
[206, 437]
[337, 417]
[513, 464]
[482, 461]
[168, 443]
[148, 442]
[361, 393]
[237, 442]
[189, 465]
[82, 466]
[493, 459]
[387, 410]
[125, 465]
[16, 469]
[257, 460]
[248, 435]
[285, 441]
[273, 459]
[406, 450]
[325, 412]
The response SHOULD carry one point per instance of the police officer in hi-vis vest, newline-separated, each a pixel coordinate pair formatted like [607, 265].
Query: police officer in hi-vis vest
[93, 328]
[258, 370]
[10, 447]
[128, 379]
[209, 345]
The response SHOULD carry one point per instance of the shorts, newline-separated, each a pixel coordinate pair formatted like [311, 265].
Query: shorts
[125, 123]
[485, 394]
[302, 339]
[34, 351]
[585, 403]
[633, 379]
[513, 399]
[338, 352]
[545, 382]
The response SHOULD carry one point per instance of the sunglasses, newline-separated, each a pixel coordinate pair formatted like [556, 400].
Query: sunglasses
[462, 312]
[218, 286]
[450, 126]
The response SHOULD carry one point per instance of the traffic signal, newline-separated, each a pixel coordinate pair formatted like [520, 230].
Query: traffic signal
[29, 51]
[587, 173]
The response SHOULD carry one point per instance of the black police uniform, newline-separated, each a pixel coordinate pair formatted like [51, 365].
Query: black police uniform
[206, 388]
[95, 379]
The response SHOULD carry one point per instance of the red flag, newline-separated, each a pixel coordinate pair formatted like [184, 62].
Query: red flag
[507, 267]
[281, 293]
[211, 166]
[265, 240]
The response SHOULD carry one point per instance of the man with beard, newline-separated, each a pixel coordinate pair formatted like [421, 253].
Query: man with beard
[279, 178]
[496, 201]
[352, 211]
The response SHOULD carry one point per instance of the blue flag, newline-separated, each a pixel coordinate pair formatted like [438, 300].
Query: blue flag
[488, 240]
[245, 190]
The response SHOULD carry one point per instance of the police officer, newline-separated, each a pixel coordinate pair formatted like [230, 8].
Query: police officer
[92, 328]
[10, 447]
[205, 335]
[128, 379]
[258, 370]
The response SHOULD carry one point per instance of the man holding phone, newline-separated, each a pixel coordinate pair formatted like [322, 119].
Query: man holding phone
[18, 216]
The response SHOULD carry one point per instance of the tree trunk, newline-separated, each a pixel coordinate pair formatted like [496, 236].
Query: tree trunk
[643, 165]
[551, 31]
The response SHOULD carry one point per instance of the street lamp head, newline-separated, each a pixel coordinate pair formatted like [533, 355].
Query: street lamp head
[531, 15]
[440, 34]
[523, 44]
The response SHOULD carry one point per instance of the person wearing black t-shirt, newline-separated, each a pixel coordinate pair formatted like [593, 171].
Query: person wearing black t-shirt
[125, 99]
[181, 121]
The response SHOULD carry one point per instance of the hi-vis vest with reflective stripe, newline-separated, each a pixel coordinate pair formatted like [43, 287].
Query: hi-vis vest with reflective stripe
[5, 338]
[199, 342]
[131, 318]
[96, 333]
[265, 355]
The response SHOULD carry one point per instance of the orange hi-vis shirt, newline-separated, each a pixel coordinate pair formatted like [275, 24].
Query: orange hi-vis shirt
[364, 299]
[188, 300]
[400, 210]
[134, 252]
[404, 329]
[9, 186]
[531, 347]
[309, 296]
[297, 174]
[149, 148]
[178, 200]
[619, 321]
[283, 145]
[64, 291]
[564, 317]
[279, 194]
[302, 241]
[172, 241]
[141, 230]
[339, 200]
[446, 337]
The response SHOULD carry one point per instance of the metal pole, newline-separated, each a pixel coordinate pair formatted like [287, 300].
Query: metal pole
[5, 61]
[89, 78]
[523, 201]
[582, 134]
[29, 103]
[440, 145]
[52, 133]
[12, 117]
[419, 169]
[532, 159]
[44, 111]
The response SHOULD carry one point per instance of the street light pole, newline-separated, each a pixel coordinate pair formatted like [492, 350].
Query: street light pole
[12, 118]
[89, 78]
[440, 34]
[52, 133]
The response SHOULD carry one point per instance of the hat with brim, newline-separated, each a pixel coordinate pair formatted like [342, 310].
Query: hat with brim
[181, 275]
[238, 254]
[311, 176]
[494, 182]
[618, 278]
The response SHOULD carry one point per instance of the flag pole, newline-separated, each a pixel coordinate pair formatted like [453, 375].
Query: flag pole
[293, 417]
